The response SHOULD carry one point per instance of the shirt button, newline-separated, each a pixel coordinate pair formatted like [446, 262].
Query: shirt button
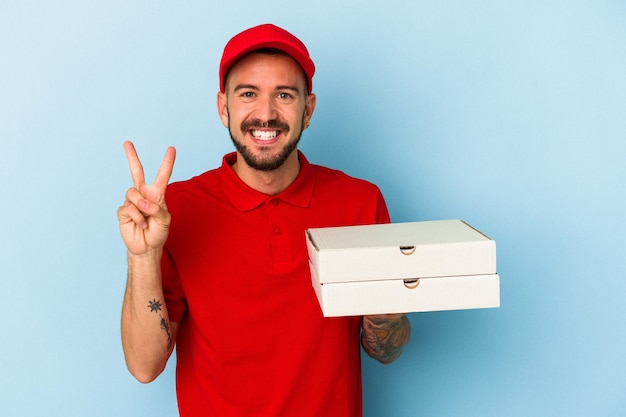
[274, 202]
[276, 231]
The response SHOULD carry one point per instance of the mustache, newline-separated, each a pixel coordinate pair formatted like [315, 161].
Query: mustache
[258, 124]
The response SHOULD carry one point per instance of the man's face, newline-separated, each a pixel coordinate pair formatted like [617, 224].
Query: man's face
[265, 108]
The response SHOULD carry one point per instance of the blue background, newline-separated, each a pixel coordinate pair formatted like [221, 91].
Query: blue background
[509, 115]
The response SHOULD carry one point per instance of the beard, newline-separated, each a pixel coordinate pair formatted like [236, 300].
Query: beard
[266, 161]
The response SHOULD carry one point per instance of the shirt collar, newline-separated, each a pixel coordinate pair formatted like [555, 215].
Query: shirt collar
[299, 193]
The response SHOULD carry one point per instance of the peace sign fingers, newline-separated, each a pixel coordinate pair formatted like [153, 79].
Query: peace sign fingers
[144, 218]
[136, 169]
[166, 168]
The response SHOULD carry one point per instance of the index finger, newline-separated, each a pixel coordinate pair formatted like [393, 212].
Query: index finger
[136, 169]
[166, 168]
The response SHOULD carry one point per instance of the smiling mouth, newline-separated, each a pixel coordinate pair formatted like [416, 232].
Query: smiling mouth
[264, 134]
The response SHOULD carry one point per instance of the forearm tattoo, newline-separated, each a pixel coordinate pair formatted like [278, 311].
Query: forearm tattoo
[155, 306]
[384, 338]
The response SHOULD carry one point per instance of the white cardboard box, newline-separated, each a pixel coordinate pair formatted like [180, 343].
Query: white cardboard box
[402, 268]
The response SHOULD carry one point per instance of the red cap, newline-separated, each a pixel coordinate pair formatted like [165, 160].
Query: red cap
[265, 36]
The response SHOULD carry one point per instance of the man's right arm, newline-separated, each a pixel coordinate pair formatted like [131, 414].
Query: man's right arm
[148, 336]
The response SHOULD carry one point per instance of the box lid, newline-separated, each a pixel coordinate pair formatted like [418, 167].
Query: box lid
[400, 250]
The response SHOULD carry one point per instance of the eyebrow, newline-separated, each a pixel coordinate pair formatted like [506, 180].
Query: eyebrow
[245, 87]
[293, 88]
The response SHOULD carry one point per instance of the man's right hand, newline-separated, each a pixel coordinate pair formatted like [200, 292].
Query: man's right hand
[144, 218]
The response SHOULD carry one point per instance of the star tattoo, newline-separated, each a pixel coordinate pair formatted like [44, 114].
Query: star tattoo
[154, 305]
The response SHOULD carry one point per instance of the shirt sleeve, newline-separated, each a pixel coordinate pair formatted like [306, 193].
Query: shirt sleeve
[382, 214]
[172, 289]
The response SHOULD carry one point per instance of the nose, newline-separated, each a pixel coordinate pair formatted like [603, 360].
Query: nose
[266, 109]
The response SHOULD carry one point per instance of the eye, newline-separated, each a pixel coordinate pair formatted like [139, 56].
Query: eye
[247, 96]
[285, 97]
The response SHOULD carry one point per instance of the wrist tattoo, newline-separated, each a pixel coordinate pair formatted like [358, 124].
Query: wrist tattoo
[155, 306]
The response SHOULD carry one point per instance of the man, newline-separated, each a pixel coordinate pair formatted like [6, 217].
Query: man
[221, 270]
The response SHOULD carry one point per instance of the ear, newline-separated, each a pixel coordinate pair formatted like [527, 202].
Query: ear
[309, 108]
[222, 108]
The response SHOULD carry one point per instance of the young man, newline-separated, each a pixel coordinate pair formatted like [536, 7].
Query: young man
[221, 270]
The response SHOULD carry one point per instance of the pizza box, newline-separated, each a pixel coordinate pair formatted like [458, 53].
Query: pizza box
[403, 267]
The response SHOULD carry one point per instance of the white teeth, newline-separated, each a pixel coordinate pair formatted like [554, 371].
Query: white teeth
[264, 134]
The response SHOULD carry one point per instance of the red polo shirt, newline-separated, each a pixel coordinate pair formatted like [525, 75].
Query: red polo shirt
[252, 339]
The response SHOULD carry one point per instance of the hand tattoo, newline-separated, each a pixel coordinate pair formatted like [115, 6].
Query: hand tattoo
[383, 338]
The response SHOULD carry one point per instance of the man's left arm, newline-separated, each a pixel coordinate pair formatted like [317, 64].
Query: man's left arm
[384, 336]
